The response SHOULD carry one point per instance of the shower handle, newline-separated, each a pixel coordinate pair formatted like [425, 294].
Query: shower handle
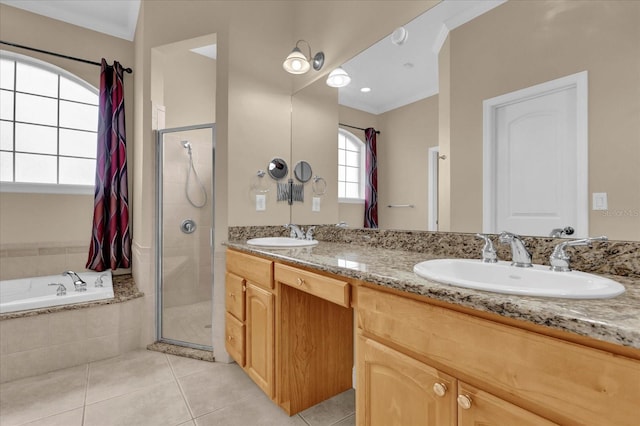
[188, 226]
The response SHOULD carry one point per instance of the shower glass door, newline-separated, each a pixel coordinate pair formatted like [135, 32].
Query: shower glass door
[185, 235]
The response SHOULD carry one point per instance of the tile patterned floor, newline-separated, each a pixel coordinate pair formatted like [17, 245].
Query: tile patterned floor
[143, 388]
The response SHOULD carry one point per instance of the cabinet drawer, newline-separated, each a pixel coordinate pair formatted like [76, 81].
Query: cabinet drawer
[234, 338]
[330, 289]
[576, 384]
[234, 295]
[252, 268]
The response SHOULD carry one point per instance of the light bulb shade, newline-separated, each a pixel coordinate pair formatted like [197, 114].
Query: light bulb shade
[296, 62]
[338, 78]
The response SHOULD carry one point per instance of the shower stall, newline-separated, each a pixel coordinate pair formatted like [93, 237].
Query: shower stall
[185, 235]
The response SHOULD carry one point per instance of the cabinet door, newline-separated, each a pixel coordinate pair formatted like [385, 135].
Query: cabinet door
[259, 359]
[476, 407]
[396, 390]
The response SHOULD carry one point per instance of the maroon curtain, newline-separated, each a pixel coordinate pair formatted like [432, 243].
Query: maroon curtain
[371, 183]
[110, 238]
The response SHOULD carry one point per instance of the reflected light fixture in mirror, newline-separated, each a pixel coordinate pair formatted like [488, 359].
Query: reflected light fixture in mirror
[338, 78]
[298, 63]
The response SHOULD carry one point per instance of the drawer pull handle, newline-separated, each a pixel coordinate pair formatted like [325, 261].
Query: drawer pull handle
[300, 281]
[439, 389]
[464, 401]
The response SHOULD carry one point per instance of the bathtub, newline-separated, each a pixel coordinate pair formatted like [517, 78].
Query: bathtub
[34, 293]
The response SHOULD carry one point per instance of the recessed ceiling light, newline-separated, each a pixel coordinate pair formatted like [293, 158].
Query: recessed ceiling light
[365, 89]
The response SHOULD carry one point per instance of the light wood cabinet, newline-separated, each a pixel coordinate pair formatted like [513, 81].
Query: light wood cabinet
[259, 357]
[293, 324]
[506, 375]
[396, 390]
[250, 317]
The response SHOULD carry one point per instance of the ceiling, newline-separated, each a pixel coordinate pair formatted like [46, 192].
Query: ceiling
[397, 74]
[115, 18]
[401, 74]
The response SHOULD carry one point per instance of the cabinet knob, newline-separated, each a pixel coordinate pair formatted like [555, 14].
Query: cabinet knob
[464, 401]
[244, 288]
[300, 281]
[229, 338]
[439, 389]
[232, 295]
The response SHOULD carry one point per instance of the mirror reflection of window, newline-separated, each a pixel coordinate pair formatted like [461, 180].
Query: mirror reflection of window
[350, 167]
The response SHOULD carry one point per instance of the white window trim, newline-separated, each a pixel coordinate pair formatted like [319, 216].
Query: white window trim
[363, 153]
[47, 188]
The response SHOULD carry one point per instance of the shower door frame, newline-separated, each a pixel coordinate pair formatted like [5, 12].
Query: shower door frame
[159, 235]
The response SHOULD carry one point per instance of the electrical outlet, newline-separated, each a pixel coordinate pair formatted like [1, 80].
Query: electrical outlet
[600, 201]
[261, 203]
[315, 205]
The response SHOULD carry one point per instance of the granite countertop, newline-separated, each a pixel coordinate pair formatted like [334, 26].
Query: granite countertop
[615, 320]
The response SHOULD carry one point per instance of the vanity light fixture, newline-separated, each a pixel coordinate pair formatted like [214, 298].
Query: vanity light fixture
[298, 63]
[338, 78]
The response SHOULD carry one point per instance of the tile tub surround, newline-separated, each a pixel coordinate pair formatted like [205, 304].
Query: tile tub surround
[44, 340]
[614, 320]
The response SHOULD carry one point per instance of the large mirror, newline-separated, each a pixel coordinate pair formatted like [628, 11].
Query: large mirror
[432, 155]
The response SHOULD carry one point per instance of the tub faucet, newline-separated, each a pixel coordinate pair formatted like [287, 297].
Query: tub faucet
[296, 231]
[77, 281]
[520, 256]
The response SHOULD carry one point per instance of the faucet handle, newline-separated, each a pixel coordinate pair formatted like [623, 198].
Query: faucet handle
[99, 282]
[61, 290]
[309, 235]
[559, 259]
[489, 254]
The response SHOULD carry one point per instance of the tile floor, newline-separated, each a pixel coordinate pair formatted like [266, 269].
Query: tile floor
[150, 388]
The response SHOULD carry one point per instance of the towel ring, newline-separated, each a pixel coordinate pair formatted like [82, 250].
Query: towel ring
[319, 186]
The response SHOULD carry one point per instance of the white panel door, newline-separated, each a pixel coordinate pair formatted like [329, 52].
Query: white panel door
[535, 158]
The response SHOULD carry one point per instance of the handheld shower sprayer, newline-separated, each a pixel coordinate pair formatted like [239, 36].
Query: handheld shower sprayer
[191, 169]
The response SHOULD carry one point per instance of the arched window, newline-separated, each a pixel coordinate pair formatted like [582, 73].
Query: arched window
[351, 157]
[48, 128]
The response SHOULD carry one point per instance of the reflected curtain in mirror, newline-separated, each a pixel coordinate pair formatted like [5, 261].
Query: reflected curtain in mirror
[110, 238]
[371, 183]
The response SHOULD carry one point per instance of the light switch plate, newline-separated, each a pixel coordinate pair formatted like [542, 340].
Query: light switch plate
[261, 203]
[599, 201]
[315, 205]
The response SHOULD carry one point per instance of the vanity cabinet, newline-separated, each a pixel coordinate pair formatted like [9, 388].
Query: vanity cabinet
[290, 329]
[250, 317]
[498, 373]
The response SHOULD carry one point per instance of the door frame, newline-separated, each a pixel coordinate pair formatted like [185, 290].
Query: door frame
[579, 81]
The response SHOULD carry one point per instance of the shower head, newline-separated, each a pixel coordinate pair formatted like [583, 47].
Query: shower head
[186, 144]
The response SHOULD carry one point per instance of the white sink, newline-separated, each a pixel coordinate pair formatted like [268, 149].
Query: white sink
[281, 242]
[501, 277]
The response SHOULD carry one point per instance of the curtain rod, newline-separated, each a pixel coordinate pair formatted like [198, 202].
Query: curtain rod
[359, 128]
[127, 70]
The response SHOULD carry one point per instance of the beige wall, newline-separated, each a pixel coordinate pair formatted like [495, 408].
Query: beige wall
[407, 133]
[314, 134]
[45, 219]
[520, 44]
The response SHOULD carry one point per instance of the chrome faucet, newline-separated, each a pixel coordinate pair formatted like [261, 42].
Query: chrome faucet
[99, 282]
[61, 290]
[520, 256]
[77, 281]
[296, 231]
[559, 259]
[309, 235]
[560, 232]
[489, 254]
